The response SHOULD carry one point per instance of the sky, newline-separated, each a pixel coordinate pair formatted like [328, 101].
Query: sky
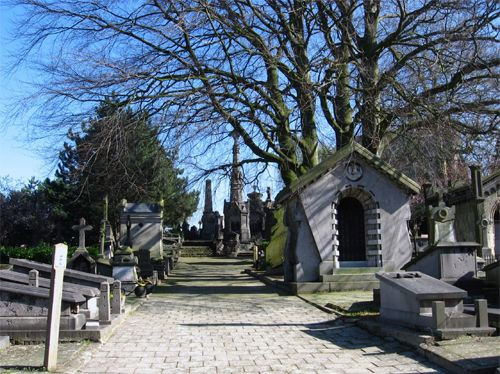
[22, 159]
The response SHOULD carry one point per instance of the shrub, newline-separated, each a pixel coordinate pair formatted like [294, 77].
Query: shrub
[40, 253]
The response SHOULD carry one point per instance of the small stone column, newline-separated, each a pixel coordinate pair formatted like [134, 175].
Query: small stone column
[104, 307]
[116, 304]
[438, 315]
[33, 278]
[481, 307]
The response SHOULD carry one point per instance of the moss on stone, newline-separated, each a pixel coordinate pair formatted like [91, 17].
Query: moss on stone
[276, 248]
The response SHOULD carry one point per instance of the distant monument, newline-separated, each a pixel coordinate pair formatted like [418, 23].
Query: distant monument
[210, 220]
[257, 214]
[236, 211]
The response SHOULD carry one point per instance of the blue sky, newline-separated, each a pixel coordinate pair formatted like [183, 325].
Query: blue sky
[20, 158]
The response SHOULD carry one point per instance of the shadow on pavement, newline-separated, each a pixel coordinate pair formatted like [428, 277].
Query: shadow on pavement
[348, 336]
[214, 290]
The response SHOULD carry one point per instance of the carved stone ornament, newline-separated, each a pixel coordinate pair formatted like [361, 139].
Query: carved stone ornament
[354, 171]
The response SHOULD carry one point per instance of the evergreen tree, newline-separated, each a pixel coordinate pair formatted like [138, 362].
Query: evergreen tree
[117, 154]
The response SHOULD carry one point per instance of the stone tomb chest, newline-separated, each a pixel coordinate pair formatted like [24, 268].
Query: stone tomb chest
[91, 294]
[24, 307]
[349, 211]
[406, 298]
[145, 226]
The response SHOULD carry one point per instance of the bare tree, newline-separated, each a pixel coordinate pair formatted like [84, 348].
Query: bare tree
[282, 73]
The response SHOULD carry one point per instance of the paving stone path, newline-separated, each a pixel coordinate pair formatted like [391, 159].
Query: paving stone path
[211, 318]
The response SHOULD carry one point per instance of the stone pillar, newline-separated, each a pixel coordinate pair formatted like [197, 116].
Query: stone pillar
[104, 307]
[438, 315]
[33, 278]
[116, 305]
[481, 307]
[208, 197]
[236, 189]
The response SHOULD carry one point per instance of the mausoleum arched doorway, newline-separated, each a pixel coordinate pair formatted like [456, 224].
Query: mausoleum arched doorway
[356, 229]
[351, 230]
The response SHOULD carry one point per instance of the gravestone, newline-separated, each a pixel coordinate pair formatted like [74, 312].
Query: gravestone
[210, 219]
[124, 268]
[257, 215]
[144, 262]
[419, 301]
[81, 259]
[445, 258]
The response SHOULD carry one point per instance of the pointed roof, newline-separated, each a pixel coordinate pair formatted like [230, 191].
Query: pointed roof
[324, 167]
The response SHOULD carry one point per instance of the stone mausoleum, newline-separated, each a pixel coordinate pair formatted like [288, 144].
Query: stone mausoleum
[352, 210]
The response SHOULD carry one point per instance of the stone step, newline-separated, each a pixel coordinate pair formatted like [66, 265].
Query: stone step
[351, 286]
[357, 270]
[197, 243]
[313, 287]
[368, 277]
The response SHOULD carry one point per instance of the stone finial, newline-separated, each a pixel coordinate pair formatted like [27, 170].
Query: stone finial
[477, 183]
[268, 191]
[33, 279]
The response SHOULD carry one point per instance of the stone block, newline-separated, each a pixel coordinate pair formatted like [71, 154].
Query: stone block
[33, 323]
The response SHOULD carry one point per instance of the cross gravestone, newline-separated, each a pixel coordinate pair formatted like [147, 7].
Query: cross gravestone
[81, 259]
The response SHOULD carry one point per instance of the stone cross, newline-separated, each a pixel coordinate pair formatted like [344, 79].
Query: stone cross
[81, 228]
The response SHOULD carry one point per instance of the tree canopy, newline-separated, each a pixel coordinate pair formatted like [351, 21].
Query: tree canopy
[286, 75]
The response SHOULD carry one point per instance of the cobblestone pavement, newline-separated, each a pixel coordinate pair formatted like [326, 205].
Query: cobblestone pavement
[211, 318]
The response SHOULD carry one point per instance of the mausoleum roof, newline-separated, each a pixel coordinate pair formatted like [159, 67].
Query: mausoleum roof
[353, 147]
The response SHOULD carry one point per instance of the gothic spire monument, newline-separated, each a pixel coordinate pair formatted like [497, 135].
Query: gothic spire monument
[236, 211]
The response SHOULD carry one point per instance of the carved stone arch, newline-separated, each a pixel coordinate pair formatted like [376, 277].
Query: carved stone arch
[372, 224]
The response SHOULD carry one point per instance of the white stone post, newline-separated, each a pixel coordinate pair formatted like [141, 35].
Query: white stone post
[33, 278]
[54, 314]
[116, 304]
[104, 305]
[481, 308]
